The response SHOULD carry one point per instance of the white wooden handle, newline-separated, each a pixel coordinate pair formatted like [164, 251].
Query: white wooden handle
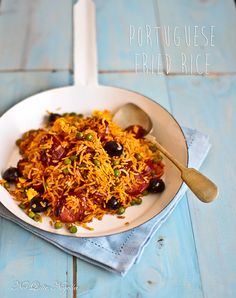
[85, 48]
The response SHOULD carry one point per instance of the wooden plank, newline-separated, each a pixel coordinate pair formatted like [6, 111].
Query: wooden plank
[209, 104]
[30, 266]
[40, 45]
[17, 86]
[32, 28]
[153, 87]
[197, 16]
[168, 267]
[35, 34]
[117, 21]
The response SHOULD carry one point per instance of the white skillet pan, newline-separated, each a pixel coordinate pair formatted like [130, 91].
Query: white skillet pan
[85, 96]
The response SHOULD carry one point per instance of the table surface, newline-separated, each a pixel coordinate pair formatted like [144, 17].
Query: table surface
[193, 253]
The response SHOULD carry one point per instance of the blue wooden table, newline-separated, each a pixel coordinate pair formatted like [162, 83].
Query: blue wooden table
[194, 253]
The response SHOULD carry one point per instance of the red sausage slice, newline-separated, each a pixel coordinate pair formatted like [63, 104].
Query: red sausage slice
[67, 215]
[138, 187]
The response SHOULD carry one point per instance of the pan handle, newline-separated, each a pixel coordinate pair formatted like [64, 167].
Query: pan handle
[85, 48]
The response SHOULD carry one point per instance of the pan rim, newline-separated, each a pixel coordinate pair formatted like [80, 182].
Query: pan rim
[125, 228]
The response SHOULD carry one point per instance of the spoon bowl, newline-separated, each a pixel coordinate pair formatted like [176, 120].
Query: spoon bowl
[130, 114]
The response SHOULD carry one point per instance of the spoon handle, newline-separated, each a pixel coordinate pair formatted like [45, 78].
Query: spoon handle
[201, 186]
[178, 164]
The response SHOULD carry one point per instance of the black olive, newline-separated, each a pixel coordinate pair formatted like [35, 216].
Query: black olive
[43, 157]
[38, 204]
[53, 117]
[11, 174]
[113, 148]
[58, 208]
[57, 211]
[113, 203]
[156, 185]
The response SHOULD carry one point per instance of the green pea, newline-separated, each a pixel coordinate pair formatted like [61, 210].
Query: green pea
[117, 173]
[24, 194]
[66, 171]
[138, 156]
[153, 173]
[57, 225]
[156, 159]
[31, 214]
[73, 157]
[18, 142]
[96, 162]
[138, 201]
[22, 206]
[116, 162]
[82, 165]
[67, 161]
[6, 185]
[79, 135]
[153, 148]
[145, 192]
[133, 202]
[73, 229]
[120, 210]
[89, 137]
[72, 114]
[37, 217]
[81, 116]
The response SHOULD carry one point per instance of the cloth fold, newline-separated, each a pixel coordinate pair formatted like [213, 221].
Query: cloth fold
[119, 252]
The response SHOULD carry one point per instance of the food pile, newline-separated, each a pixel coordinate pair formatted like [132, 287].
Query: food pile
[78, 168]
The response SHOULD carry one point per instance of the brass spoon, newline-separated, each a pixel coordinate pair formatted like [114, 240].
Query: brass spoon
[201, 186]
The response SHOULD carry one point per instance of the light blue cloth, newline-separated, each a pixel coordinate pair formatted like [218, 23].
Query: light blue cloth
[119, 252]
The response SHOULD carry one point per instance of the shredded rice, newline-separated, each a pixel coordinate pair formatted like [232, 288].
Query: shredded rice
[76, 175]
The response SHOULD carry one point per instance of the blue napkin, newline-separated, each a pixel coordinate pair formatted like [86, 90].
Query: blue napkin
[119, 252]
